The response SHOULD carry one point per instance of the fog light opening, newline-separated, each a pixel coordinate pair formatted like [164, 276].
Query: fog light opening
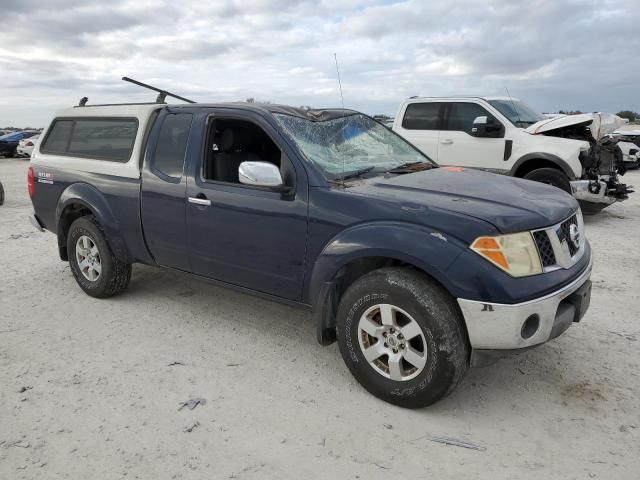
[530, 326]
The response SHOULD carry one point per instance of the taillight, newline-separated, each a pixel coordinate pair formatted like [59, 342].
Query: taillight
[30, 184]
[29, 144]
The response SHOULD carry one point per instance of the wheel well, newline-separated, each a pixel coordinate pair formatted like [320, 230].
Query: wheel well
[69, 215]
[343, 279]
[535, 164]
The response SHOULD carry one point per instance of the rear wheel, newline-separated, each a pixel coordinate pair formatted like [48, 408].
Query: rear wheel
[402, 337]
[1, 194]
[94, 266]
[550, 176]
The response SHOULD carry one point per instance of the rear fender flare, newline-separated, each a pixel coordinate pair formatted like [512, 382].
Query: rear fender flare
[90, 197]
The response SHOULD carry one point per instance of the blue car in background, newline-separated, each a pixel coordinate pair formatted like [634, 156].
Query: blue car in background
[9, 142]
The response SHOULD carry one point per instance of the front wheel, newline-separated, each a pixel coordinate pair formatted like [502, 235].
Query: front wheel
[402, 337]
[94, 266]
[550, 176]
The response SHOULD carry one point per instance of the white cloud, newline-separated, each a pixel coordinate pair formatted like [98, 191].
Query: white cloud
[573, 54]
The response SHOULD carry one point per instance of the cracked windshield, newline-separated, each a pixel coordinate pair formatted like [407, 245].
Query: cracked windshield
[350, 146]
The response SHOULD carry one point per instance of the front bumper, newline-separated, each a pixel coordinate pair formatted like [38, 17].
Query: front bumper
[581, 191]
[497, 326]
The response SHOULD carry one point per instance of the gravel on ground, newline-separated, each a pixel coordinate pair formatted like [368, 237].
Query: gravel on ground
[92, 388]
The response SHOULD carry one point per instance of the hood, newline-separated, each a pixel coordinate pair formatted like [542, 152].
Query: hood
[510, 204]
[600, 124]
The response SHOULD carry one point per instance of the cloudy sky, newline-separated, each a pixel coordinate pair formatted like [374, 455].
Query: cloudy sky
[554, 54]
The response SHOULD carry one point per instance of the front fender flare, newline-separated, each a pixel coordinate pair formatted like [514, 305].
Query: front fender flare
[563, 165]
[90, 197]
[425, 248]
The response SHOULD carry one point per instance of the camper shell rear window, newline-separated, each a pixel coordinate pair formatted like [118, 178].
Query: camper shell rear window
[101, 138]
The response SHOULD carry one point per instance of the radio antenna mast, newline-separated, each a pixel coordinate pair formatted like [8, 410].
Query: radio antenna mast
[335, 57]
[162, 94]
[513, 105]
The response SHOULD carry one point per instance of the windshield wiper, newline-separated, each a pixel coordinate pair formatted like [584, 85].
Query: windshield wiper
[411, 167]
[355, 173]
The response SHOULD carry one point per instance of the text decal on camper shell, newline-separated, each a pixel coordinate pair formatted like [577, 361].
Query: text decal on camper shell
[45, 177]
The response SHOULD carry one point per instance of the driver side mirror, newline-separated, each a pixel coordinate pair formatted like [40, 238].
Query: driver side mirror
[260, 174]
[485, 126]
[479, 128]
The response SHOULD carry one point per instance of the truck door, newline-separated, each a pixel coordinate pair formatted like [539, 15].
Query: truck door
[254, 237]
[458, 147]
[164, 186]
[420, 124]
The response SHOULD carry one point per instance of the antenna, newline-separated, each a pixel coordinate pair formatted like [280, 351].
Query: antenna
[162, 94]
[513, 105]
[335, 57]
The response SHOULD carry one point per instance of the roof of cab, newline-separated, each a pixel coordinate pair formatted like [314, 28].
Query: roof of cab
[464, 97]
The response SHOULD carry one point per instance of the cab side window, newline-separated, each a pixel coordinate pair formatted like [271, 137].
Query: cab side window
[233, 141]
[462, 114]
[422, 116]
[172, 145]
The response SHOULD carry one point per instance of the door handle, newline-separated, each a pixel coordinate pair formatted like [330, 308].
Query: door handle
[200, 199]
[446, 141]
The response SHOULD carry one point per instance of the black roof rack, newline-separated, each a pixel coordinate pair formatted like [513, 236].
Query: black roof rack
[115, 104]
[162, 94]
[160, 99]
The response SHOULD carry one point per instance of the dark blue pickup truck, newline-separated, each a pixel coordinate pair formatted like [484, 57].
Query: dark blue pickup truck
[418, 271]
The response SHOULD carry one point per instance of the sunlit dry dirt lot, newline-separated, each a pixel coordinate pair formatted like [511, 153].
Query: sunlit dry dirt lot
[91, 388]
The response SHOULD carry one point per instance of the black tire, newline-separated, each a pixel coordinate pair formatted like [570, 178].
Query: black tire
[1, 194]
[115, 274]
[433, 309]
[12, 153]
[550, 176]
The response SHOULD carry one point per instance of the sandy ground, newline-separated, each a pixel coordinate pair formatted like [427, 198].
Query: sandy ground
[102, 392]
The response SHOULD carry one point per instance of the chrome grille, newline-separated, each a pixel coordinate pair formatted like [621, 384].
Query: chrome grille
[561, 245]
[545, 249]
[565, 230]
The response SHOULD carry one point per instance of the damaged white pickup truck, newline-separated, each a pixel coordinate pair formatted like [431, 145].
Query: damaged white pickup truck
[504, 135]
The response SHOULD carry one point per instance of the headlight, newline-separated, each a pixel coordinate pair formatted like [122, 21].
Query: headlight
[515, 253]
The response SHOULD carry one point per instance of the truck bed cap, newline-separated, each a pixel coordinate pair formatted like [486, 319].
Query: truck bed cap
[142, 110]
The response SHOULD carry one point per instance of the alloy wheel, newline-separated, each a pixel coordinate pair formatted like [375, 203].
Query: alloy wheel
[88, 258]
[392, 342]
